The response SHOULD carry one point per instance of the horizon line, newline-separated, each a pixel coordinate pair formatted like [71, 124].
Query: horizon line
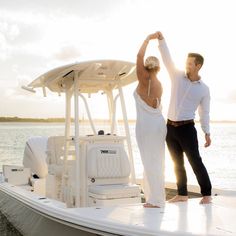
[61, 119]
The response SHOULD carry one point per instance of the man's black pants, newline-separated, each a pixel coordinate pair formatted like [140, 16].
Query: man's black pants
[180, 140]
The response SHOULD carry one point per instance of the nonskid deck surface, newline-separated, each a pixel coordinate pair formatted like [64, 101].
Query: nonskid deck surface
[186, 218]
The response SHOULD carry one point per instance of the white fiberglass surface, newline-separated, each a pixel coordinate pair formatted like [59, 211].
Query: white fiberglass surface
[186, 218]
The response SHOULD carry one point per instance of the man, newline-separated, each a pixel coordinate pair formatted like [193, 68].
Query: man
[188, 93]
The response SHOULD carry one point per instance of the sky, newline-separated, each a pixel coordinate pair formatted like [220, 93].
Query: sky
[37, 36]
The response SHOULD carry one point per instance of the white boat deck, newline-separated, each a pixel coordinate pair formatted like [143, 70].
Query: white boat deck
[175, 219]
[189, 218]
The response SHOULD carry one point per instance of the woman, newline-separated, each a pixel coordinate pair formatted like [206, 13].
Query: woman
[150, 126]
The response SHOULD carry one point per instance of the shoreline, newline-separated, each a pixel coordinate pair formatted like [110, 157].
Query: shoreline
[62, 120]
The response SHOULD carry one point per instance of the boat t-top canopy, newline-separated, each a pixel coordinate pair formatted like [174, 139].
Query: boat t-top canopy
[92, 76]
[88, 77]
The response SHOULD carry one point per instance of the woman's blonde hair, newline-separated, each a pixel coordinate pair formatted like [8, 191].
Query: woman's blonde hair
[152, 63]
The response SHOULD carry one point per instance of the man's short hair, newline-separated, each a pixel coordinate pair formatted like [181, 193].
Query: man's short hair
[198, 58]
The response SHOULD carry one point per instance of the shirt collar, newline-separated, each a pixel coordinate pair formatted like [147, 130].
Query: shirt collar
[194, 82]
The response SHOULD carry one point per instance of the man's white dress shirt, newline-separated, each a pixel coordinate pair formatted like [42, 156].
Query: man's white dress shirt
[186, 96]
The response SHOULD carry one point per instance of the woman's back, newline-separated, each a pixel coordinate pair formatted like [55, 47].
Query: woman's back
[150, 91]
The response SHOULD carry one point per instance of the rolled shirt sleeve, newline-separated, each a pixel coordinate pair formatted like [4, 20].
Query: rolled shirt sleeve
[204, 111]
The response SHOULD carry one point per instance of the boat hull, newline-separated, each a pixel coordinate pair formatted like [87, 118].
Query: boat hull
[35, 215]
[29, 221]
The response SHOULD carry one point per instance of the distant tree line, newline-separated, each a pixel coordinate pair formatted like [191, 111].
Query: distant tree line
[18, 119]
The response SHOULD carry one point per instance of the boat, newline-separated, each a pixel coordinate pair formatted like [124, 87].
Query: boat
[86, 185]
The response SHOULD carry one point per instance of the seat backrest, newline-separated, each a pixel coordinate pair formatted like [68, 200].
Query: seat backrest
[108, 162]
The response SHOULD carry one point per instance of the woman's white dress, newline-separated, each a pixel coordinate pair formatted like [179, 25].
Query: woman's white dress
[150, 135]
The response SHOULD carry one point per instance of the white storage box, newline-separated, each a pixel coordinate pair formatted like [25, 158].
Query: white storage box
[16, 175]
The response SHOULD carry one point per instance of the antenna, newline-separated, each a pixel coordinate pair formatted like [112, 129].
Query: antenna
[28, 89]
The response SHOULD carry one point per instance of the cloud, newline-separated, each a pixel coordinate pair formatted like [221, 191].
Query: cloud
[12, 88]
[67, 52]
[16, 36]
[80, 8]
[3, 47]
[37, 36]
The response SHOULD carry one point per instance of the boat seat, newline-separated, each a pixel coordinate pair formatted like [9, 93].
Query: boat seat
[108, 164]
[111, 191]
[108, 170]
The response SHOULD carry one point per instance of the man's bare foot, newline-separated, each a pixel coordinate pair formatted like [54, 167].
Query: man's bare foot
[149, 205]
[206, 200]
[178, 198]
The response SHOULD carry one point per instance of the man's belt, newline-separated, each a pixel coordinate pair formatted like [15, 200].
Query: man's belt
[179, 123]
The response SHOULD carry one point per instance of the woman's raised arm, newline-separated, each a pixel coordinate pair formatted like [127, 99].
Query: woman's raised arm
[140, 68]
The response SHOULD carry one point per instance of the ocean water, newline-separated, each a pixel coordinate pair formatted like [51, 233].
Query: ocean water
[219, 158]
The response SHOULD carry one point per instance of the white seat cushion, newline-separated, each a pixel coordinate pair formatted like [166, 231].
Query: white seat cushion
[110, 191]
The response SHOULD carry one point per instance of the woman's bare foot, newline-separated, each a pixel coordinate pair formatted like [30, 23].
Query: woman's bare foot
[149, 205]
[206, 200]
[178, 198]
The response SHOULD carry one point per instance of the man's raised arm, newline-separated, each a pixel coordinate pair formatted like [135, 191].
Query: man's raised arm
[165, 54]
